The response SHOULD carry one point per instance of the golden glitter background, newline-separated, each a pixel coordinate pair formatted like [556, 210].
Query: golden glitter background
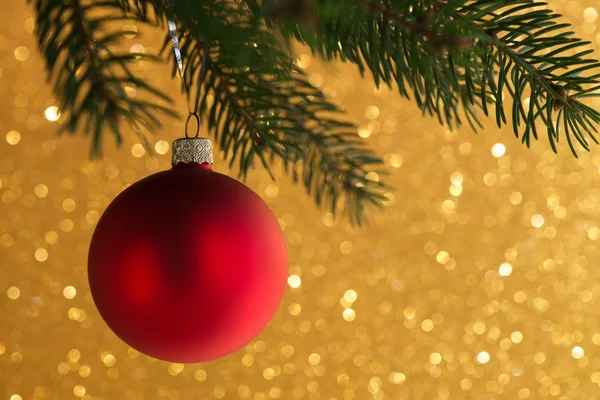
[479, 280]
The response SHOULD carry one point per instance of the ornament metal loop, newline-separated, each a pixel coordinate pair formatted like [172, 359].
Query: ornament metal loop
[187, 122]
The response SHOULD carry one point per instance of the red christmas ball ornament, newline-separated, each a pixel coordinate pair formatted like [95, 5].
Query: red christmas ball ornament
[188, 265]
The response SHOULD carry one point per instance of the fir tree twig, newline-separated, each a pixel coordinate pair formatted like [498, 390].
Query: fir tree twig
[270, 110]
[452, 57]
[89, 79]
[447, 54]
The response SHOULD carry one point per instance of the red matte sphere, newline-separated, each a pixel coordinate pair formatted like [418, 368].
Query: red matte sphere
[187, 265]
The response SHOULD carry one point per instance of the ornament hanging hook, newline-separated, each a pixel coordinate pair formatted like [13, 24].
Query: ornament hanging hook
[177, 50]
[187, 122]
[175, 39]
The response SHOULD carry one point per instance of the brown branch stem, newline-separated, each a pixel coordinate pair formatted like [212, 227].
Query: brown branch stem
[422, 28]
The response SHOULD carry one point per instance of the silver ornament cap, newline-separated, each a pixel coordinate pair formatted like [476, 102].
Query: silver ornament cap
[192, 150]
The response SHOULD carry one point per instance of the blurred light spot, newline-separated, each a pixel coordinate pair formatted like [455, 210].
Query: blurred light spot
[389, 199]
[137, 48]
[516, 337]
[131, 92]
[68, 205]
[479, 328]
[505, 269]
[131, 31]
[52, 114]
[109, 360]
[92, 217]
[498, 150]
[269, 373]
[303, 61]
[13, 292]
[483, 357]
[372, 176]
[516, 198]
[41, 254]
[343, 379]
[69, 292]
[346, 247]
[504, 379]
[397, 377]
[319, 270]
[294, 309]
[490, 179]
[74, 313]
[524, 393]
[74, 355]
[63, 368]
[314, 359]
[349, 314]
[219, 392]
[455, 190]
[287, 350]
[328, 220]
[465, 149]
[350, 296]
[16, 357]
[448, 206]
[138, 150]
[272, 190]
[200, 375]
[457, 178]
[372, 112]
[21, 53]
[161, 147]
[409, 313]
[260, 346]
[13, 137]
[435, 358]
[427, 325]
[175, 368]
[590, 14]
[41, 190]
[66, 225]
[248, 360]
[294, 281]
[79, 390]
[537, 221]
[364, 132]
[442, 257]
[84, 371]
[577, 352]
[394, 160]
[6, 240]
[315, 80]
[275, 393]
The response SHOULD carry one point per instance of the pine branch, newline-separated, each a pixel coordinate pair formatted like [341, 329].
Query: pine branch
[266, 108]
[89, 78]
[452, 57]
[531, 52]
[457, 54]
[333, 160]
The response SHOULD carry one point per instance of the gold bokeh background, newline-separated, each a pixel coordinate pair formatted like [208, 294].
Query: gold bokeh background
[479, 280]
